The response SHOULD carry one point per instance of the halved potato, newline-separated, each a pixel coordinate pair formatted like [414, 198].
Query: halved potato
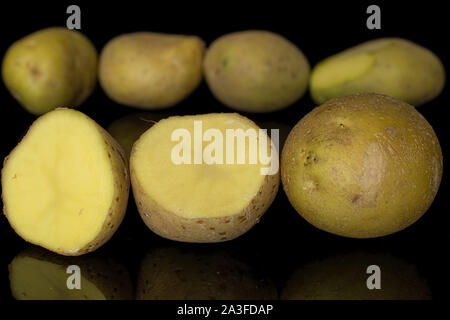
[65, 186]
[201, 202]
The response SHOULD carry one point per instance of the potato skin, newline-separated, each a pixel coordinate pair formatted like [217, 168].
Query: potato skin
[256, 71]
[174, 227]
[362, 166]
[401, 69]
[50, 68]
[151, 70]
[121, 191]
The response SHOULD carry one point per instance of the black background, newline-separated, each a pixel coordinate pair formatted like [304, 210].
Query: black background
[282, 241]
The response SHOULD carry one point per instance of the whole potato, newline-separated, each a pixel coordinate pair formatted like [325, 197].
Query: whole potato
[151, 70]
[392, 66]
[256, 71]
[362, 166]
[50, 68]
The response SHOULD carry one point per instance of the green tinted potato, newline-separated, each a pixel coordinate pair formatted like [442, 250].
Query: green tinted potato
[256, 71]
[395, 67]
[50, 68]
[362, 166]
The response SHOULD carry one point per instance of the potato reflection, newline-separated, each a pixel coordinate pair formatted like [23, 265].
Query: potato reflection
[174, 274]
[344, 278]
[37, 274]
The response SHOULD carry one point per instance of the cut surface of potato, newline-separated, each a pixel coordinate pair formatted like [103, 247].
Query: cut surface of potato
[65, 186]
[395, 67]
[172, 196]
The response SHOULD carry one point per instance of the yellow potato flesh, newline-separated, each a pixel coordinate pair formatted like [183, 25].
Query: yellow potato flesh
[336, 71]
[195, 190]
[58, 182]
[392, 66]
[34, 279]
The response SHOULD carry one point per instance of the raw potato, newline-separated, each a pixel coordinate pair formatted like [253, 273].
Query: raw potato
[362, 166]
[173, 274]
[65, 186]
[256, 71]
[50, 68]
[37, 274]
[199, 202]
[128, 129]
[151, 70]
[344, 277]
[392, 66]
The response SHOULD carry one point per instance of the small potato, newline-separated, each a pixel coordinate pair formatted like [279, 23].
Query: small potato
[256, 71]
[392, 66]
[65, 186]
[362, 166]
[193, 193]
[50, 68]
[151, 70]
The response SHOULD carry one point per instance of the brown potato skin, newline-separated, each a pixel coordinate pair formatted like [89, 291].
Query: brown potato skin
[148, 70]
[174, 227]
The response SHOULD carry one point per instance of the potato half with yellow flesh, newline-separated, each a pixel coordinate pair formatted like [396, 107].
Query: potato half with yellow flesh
[201, 202]
[65, 186]
[362, 166]
[37, 274]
